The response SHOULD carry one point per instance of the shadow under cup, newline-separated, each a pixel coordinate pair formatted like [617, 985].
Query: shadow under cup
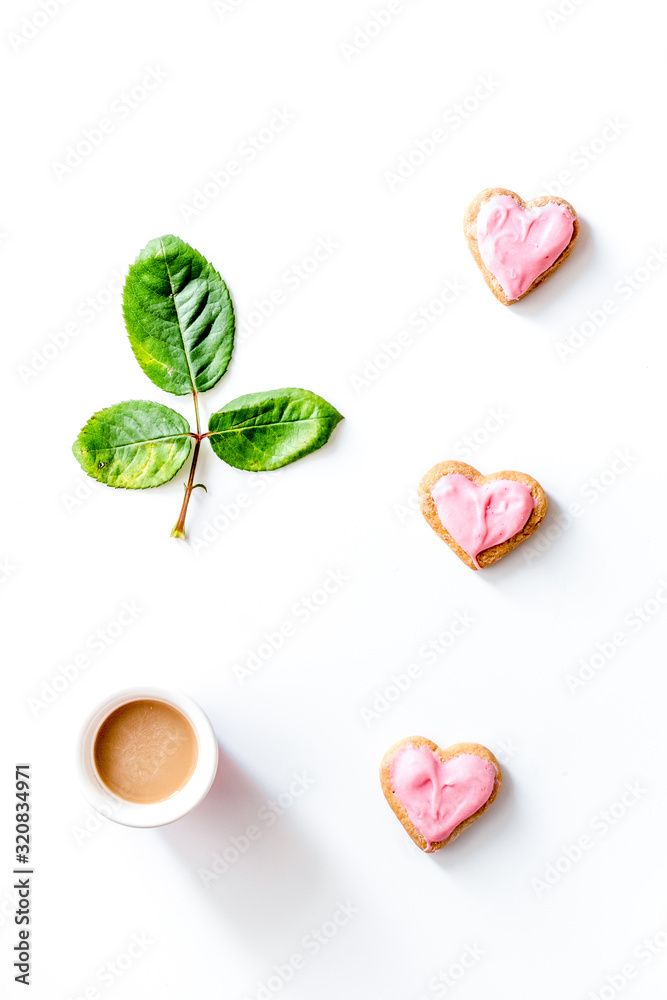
[147, 757]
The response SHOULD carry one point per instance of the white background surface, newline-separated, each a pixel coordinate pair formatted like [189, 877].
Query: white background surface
[207, 605]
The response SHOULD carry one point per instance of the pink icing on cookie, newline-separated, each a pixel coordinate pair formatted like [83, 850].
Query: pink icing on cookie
[439, 795]
[517, 244]
[478, 517]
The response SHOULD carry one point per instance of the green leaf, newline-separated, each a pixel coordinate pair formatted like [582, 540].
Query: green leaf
[133, 445]
[265, 430]
[179, 317]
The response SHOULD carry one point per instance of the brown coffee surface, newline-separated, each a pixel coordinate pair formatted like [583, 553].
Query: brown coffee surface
[145, 751]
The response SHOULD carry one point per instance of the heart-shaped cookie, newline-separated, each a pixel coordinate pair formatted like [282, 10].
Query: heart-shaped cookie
[517, 243]
[437, 793]
[481, 518]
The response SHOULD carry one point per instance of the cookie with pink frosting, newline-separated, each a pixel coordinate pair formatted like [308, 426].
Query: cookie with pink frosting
[517, 244]
[481, 518]
[437, 793]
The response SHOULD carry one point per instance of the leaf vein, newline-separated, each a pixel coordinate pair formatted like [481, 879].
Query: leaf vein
[274, 423]
[178, 318]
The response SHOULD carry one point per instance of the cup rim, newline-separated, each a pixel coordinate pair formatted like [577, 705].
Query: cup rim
[148, 814]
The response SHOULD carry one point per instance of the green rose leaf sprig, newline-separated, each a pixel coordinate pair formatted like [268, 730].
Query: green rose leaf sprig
[180, 321]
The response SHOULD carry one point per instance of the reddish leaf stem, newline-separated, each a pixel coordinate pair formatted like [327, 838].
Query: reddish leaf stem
[178, 530]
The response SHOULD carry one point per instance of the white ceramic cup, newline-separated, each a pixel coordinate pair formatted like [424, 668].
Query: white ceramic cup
[140, 814]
